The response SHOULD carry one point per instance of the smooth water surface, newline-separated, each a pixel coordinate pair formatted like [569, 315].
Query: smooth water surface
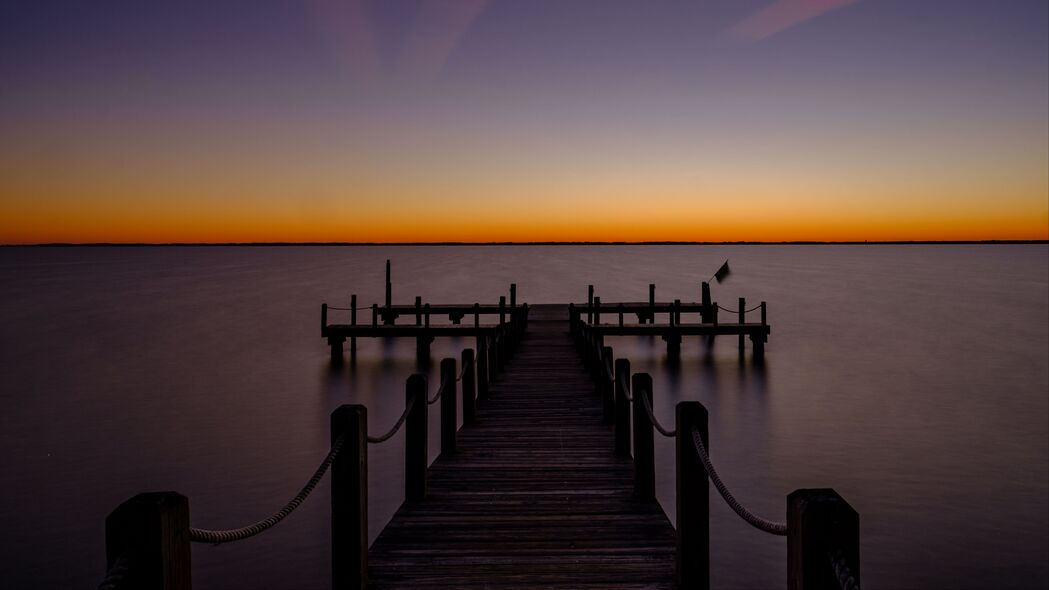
[912, 379]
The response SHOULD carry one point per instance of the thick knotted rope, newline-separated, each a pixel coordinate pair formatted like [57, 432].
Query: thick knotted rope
[775, 528]
[226, 536]
[645, 401]
[842, 572]
[396, 426]
[115, 576]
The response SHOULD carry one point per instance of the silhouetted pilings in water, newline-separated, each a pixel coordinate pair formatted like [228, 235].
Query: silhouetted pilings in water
[822, 529]
[148, 537]
[512, 322]
[672, 332]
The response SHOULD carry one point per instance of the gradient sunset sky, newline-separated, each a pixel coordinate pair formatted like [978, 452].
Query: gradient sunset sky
[523, 120]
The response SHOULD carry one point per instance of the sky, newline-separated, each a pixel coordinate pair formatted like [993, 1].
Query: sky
[523, 120]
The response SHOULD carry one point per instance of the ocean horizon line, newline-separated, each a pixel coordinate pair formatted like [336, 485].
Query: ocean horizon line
[532, 243]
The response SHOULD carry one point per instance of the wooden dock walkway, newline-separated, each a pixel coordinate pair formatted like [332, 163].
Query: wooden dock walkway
[533, 496]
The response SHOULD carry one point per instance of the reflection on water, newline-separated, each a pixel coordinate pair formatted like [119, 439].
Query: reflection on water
[912, 379]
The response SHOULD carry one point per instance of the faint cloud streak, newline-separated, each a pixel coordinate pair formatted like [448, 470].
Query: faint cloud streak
[780, 16]
[435, 33]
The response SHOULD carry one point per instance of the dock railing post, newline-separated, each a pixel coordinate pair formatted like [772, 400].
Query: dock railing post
[651, 303]
[620, 315]
[590, 304]
[707, 307]
[677, 312]
[388, 319]
[622, 407]
[375, 315]
[469, 388]
[349, 498]
[644, 450]
[482, 365]
[418, 310]
[449, 409]
[693, 499]
[759, 339]
[608, 401]
[353, 322]
[415, 437]
[324, 320]
[513, 297]
[502, 309]
[742, 317]
[597, 310]
[150, 533]
[823, 535]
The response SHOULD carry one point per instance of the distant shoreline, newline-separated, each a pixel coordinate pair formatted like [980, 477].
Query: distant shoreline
[383, 244]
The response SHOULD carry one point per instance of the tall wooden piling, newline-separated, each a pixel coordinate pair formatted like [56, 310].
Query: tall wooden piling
[150, 533]
[469, 388]
[707, 311]
[590, 304]
[742, 318]
[349, 498]
[418, 310]
[502, 309]
[513, 297]
[644, 448]
[822, 530]
[651, 303]
[353, 322]
[622, 408]
[324, 320]
[693, 499]
[415, 453]
[597, 310]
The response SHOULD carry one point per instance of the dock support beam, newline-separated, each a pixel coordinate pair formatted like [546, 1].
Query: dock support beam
[644, 451]
[349, 498]
[622, 408]
[415, 454]
[449, 407]
[693, 499]
[150, 532]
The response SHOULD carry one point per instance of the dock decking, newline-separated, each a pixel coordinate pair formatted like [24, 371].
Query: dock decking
[533, 497]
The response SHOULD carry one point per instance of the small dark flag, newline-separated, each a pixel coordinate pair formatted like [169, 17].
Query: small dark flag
[722, 272]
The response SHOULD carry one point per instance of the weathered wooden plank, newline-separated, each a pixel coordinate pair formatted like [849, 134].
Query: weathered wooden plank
[534, 497]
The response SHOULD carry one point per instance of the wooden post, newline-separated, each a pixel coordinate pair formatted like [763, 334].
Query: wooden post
[693, 499]
[477, 315]
[742, 316]
[673, 340]
[620, 315]
[758, 340]
[513, 296]
[418, 310]
[469, 388]
[677, 312]
[622, 421]
[651, 303]
[714, 313]
[449, 407]
[353, 322]
[422, 350]
[426, 315]
[150, 532]
[389, 287]
[482, 365]
[375, 315]
[349, 498]
[415, 454]
[324, 320]
[597, 310]
[707, 306]
[644, 450]
[820, 524]
[764, 321]
[608, 400]
[590, 304]
[502, 309]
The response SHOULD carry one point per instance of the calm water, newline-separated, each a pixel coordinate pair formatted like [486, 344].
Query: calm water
[913, 379]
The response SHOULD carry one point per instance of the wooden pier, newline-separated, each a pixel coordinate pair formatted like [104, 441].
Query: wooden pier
[533, 496]
[550, 483]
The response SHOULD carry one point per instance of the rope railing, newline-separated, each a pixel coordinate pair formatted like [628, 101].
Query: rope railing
[725, 309]
[841, 571]
[652, 417]
[626, 387]
[437, 395]
[396, 426]
[763, 524]
[226, 536]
